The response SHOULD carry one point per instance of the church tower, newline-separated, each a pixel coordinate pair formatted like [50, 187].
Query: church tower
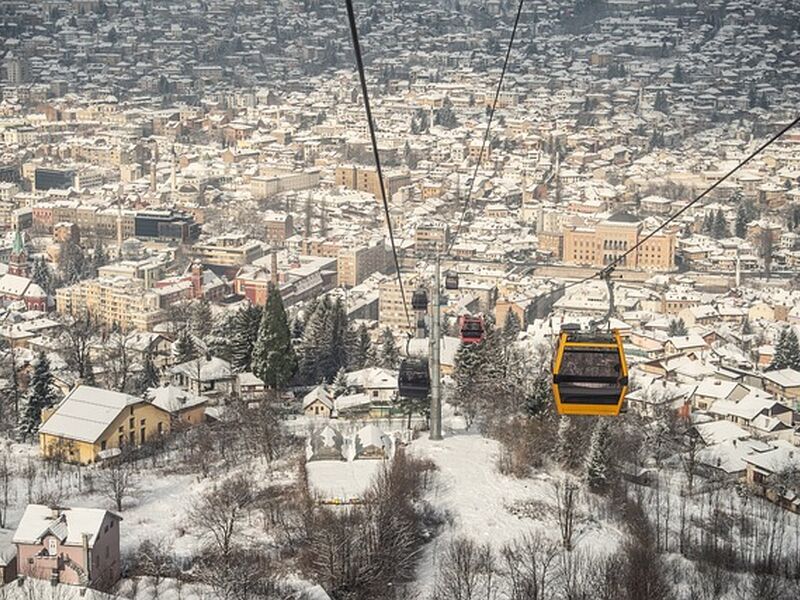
[18, 261]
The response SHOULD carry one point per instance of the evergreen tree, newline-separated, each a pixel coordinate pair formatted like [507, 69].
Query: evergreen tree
[792, 349]
[708, 223]
[740, 228]
[201, 318]
[540, 395]
[660, 103]
[185, 348]
[389, 356]
[88, 370]
[445, 116]
[338, 343]
[677, 327]
[597, 467]
[297, 327]
[149, 377]
[677, 74]
[720, 227]
[42, 276]
[511, 326]
[747, 329]
[244, 331]
[273, 356]
[359, 356]
[72, 262]
[339, 385]
[312, 341]
[99, 256]
[41, 395]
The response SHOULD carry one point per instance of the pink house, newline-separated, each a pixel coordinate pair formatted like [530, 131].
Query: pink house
[78, 546]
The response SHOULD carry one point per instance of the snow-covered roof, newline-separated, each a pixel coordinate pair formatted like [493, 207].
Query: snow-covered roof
[717, 432]
[86, 412]
[174, 399]
[373, 378]
[783, 456]
[370, 436]
[686, 342]
[67, 524]
[318, 394]
[785, 378]
[716, 388]
[210, 369]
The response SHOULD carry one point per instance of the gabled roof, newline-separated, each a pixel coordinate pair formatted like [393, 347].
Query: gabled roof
[318, 394]
[86, 412]
[174, 399]
[373, 378]
[210, 369]
[785, 378]
[67, 524]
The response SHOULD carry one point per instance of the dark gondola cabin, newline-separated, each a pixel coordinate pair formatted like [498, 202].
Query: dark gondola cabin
[419, 299]
[451, 280]
[590, 374]
[471, 330]
[413, 380]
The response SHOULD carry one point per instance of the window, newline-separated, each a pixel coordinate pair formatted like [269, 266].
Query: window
[131, 422]
[52, 546]
[160, 428]
[103, 445]
[121, 440]
[142, 435]
[120, 428]
[141, 422]
[132, 438]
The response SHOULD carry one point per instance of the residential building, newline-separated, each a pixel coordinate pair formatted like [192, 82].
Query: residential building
[229, 251]
[91, 420]
[279, 227]
[431, 239]
[356, 263]
[78, 546]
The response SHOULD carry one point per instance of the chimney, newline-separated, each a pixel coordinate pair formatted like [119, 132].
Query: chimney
[55, 512]
[87, 563]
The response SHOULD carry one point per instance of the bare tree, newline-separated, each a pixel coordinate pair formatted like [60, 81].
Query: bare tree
[6, 487]
[218, 512]
[527, 566]
[116, 481]
[566, 496]
[118, 361]
[466, 571]
[78, 334]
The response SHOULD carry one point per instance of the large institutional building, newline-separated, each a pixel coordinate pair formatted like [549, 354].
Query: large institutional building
[608, 240]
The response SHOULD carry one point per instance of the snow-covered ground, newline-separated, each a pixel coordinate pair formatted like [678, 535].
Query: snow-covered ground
[482, 501]
[342, 480]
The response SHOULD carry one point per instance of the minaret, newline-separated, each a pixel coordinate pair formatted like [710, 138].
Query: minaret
[273, 276]
[153, 165]
[174, 177]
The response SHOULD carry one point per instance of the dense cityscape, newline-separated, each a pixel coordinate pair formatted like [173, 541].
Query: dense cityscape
[240, 361]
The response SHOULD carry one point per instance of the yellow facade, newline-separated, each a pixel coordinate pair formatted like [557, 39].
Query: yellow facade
[133, 426]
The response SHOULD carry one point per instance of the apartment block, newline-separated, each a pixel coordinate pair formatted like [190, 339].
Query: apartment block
[365, 179]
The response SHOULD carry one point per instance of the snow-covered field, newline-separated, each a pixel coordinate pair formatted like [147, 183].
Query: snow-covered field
[342, 480]
[481, 501]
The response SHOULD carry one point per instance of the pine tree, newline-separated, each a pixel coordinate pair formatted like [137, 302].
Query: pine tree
[540, 395]
[677, 327]
[71, 262]
[244, 331]
[312, 342]
[511, 326]
[99, 256]
[708, 223]
[185, 348]
[361, 356]
[338, 337]
[677, 74]
[747, 329]
[339, 385]
[201, 318]
[41, 395]
[597, 467]
[389, 356]
[740, 228]
[792, 349]
[720, 227]
[273, 356]
[149, 377]
[43, 276]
